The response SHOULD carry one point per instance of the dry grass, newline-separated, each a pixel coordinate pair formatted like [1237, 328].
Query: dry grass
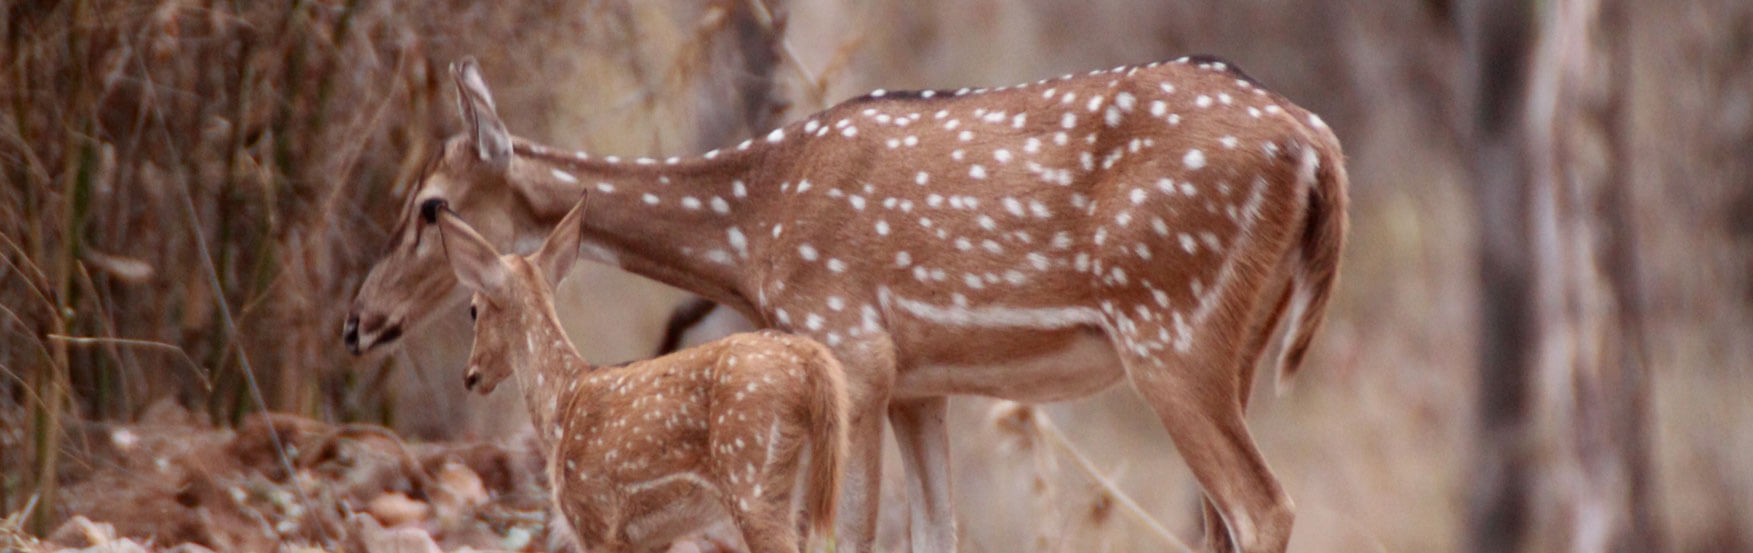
[207, 183]
[1031, 432]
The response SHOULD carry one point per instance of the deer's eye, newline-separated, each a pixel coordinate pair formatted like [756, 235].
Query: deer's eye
[471, 313]
[429, 209]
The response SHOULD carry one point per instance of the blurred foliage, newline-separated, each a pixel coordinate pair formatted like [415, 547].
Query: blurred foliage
[175, 167]
[269, 122]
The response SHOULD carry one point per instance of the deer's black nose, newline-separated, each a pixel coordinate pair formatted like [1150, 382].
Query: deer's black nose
[350, 333]
[470, 379]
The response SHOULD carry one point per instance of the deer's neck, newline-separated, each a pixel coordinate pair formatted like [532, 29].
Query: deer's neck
[677, 221]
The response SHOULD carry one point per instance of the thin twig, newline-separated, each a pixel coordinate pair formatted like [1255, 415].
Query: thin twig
[34, 268]
[109, 327]
[1047, 429]
[30, 161]
[26, 332]
[353, 148]
[249, 373]
[22, 383]
[243, 358]
[98, 340]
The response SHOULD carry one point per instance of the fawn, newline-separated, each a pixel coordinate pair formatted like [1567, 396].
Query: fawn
[642, 453]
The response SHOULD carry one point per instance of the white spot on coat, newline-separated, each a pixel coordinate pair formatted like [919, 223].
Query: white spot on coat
[1194, 159]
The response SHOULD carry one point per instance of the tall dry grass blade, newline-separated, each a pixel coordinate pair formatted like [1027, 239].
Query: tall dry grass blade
[13, 316]
[46, 426]
[1044, 427]
[108, 379]
[23, 384]
[194, 368]
[54, 387]
[42, 279]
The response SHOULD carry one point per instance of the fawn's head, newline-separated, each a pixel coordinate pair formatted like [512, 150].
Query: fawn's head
[469, 173]
[513, 294]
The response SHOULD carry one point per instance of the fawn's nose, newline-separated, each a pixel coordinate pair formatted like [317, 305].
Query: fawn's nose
[471, 377]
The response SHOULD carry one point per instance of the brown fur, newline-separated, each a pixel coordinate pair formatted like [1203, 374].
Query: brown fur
[827, 390]
[1323, 240]
[642, 453]
[1157, 223]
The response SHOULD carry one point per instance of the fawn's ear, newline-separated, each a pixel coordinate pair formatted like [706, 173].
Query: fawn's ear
[475, 103]
[560, 250]
[475, 261]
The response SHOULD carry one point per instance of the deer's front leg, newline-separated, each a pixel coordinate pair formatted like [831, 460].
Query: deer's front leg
[923, 436]
[870, 376]
[861, 491]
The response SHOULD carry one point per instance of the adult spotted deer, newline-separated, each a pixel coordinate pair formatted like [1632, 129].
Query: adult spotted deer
[1161, 223]
[642, 453]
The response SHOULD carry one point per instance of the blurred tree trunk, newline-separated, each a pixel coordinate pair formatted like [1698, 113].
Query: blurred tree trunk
[1495, 37]
[1593, 385]
[1563, 443]
[753, 56]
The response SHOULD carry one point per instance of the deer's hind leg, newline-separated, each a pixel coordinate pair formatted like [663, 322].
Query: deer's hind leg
[1198, 407]
[1193, 383]
[1265, 326]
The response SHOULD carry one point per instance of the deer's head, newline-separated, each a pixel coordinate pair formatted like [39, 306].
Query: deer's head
[468, 174]
[512, 294]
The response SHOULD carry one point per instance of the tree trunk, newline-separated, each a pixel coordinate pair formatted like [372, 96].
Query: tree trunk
[1563, 444]
[1496, 35]
[1593, 384]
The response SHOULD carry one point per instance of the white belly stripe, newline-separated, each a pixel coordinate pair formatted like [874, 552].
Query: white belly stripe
[994, 316]
[639, 487]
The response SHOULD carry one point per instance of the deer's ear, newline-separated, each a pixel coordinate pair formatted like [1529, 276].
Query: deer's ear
[560, 250]
[475, 261]
[475, 104]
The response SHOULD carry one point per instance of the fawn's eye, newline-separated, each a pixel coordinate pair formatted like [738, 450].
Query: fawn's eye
[471, 312]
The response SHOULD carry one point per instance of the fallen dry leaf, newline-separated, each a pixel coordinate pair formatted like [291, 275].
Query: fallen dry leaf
[395, 509]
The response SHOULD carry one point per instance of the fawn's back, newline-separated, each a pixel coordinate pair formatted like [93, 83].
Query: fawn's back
[662, 444]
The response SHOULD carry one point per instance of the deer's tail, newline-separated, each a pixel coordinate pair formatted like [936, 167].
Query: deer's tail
[827, 419]
[1318, 249]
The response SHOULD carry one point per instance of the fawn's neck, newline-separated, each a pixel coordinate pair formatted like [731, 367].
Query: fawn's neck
[551, 371]
[676, 221]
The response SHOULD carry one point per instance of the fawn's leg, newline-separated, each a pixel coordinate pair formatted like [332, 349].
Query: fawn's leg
[768, 524]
